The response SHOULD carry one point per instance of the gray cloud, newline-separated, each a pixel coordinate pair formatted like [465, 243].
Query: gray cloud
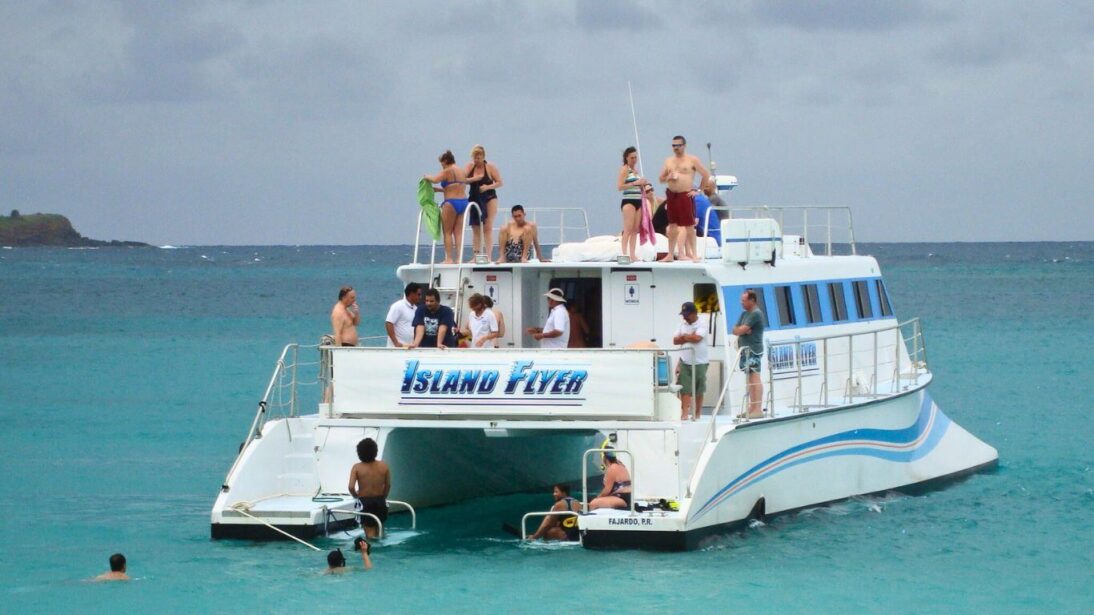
[851, 15]
[255, 122]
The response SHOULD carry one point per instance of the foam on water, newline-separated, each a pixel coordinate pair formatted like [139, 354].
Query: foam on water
[128, 378]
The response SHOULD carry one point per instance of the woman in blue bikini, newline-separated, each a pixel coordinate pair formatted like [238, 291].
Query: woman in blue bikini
[452, 180]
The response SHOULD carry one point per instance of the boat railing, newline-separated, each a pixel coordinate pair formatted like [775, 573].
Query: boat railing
[555, 225]
[281, 397]
[826, 371]
[827, 230]
[585, 474]
[547, 513]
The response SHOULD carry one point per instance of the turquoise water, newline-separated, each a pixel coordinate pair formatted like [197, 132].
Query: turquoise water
[128, 378]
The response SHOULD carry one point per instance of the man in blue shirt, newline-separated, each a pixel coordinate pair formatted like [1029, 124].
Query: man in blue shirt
[434, 324]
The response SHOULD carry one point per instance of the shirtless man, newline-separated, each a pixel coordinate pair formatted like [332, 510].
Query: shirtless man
[345, 317]
[117, 569]
[679, 173]
[516, 237]
[370, 483]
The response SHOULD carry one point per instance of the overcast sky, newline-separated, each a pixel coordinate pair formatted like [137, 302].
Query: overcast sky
[257, 122]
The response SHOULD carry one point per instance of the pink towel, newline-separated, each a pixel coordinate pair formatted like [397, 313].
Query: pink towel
[645, 226]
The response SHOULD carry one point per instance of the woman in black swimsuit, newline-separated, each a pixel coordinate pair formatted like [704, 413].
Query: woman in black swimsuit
[483, 179]
[617, 485]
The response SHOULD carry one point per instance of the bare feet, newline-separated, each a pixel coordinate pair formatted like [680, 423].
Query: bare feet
[665, 259]
[448, 261]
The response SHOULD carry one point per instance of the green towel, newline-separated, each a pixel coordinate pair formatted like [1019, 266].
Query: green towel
[430, 211]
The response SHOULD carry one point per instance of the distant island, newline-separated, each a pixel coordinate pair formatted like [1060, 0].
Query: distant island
[18, 230]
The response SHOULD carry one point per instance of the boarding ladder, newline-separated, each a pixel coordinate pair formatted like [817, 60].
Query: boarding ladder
[453, 285]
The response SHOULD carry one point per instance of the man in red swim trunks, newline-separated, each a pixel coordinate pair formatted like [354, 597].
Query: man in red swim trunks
[679, 173]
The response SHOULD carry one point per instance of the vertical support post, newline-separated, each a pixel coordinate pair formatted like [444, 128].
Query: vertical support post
[828, 227]
[897, 344]
[798, 363]
[825, 383]
[873, 383]
[805, 226]
[292, 394]
[850, 366]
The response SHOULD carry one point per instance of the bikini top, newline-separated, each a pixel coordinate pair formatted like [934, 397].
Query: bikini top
[445, 183]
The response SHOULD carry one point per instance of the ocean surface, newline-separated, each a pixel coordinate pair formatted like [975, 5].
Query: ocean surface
[128, 378]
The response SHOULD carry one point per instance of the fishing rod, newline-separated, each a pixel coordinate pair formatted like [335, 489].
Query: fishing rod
[634, 119]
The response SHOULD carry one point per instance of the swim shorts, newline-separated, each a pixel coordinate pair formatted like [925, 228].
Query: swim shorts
[460, 205]
[686, 372]
[681, 208]
[376, 505]
[750, 363]
[636, 203]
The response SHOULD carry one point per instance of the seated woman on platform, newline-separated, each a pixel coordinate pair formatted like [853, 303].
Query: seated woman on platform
[452, 179]
[617, 485]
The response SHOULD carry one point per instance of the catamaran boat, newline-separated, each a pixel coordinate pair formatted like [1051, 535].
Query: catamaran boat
[846, 407]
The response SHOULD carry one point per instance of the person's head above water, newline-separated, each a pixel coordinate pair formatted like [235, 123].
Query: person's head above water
[360, 543]
[117, 563]
[366, 450]
[335, 559]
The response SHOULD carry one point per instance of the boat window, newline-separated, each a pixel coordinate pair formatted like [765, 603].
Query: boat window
[786, 305]
[883, 299]
[862, 299]
[812, 303]
[839, 305]
[705, 297]
[761, 302]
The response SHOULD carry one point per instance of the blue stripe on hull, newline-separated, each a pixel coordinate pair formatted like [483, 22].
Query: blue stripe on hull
[897, 445]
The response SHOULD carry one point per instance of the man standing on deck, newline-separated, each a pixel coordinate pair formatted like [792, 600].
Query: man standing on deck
[400, 317]
[556, 331]
[370, 483]
[693, 361]
[434, 324]
[679, 173]
[750, 336]
[345, 317]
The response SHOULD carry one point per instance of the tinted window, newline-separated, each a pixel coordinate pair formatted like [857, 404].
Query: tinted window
[786, 305]
[883, 299]
[862, 299]
[812, 303]
[839, 305]
[762, 303]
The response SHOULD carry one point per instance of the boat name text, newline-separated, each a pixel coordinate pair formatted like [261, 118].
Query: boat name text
[522, 379]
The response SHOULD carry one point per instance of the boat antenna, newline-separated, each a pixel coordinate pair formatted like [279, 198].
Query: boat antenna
[710, 160]
[634, 119]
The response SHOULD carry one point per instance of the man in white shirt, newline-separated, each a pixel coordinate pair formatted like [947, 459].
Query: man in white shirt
[400, 317]
[556, 331]
[694, 359]
[481, 324]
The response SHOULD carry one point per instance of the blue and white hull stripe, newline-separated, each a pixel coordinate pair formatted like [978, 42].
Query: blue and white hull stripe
[897, 445]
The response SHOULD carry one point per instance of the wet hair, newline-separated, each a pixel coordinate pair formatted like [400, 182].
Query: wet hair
[117, 562]
[360, 544]
[447, 157]
[681, 138]
[563, 487]
[345, 290]
[751, 293]
[433, 292]
[411, 288]
[335, 559]
[366, 450]
[627, 152]
[609, 456]
[488, 301]
[475, 299]
[478, 149]
[516, 208]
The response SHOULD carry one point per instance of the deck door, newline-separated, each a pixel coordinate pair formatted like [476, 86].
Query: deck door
[630, 307]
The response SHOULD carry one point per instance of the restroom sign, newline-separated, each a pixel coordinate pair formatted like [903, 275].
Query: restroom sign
[630, 294]
[492, 292]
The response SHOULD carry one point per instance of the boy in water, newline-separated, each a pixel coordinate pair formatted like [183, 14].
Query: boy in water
[370, 483]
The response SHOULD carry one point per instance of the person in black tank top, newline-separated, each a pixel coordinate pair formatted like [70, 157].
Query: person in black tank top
[560, 527]
[483, 179]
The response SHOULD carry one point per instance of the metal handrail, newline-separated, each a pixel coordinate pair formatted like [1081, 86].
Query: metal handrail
[549, 513]
[802, 213]
[723, 396]
[585, 475]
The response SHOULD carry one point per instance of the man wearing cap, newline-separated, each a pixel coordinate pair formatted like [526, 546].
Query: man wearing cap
[694, 359]
[556, 331]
